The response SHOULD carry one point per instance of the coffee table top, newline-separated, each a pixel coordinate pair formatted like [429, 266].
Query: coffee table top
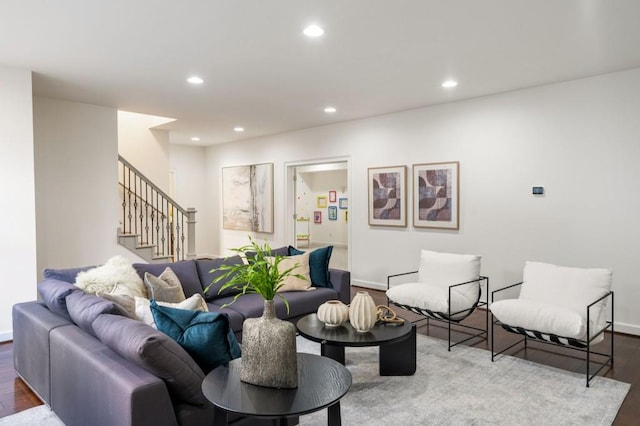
[321, 382]
[312, 328]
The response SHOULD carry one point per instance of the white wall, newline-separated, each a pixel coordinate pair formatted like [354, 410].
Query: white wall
[18, 224]
[145, 148]
[76, 157]
[191, 191]
[578, 139]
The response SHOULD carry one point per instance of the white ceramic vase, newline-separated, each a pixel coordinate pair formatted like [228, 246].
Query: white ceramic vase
[333, 313]
[362, 312]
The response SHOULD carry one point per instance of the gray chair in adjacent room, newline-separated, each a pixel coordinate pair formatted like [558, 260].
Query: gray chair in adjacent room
[448, 289]
[558, 305]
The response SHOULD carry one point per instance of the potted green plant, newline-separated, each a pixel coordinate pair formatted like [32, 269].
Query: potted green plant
[260, 275]
[269, 353]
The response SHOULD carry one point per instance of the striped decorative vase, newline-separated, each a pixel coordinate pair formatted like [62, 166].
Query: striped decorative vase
[362, 312]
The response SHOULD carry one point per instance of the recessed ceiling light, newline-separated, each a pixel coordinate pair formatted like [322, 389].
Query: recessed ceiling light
[449, 84]
[195, 139]
[194, 79]
[238, 129]
[330, 110]
[314, 31]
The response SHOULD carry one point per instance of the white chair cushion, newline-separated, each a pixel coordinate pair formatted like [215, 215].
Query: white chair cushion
[539, 316]
[570, 288]
[446, 269]
[431, 297]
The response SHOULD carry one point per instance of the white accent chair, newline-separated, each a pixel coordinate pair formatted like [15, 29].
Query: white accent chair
[558, 305]
[448, 289]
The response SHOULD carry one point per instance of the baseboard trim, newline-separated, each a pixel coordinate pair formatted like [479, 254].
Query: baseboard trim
[6, 336]
[369, 284]
[632, 329]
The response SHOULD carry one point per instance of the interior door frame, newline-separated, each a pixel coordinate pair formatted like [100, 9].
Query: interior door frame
[290, 192]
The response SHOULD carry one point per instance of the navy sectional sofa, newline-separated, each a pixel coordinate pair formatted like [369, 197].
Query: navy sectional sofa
[92, 365]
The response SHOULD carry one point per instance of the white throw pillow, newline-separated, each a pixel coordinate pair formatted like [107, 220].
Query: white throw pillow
[570, 288]
[116, 276]
[443, 270]
[143, 307]
[292, 283]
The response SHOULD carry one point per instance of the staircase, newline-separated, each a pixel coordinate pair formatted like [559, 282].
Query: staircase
[152, 225]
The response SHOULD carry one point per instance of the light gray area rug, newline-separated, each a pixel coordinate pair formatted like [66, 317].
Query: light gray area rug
[463, 387]
[40, 416]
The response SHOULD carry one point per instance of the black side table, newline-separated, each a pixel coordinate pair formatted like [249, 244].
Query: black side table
[321, 383]
[397, 353]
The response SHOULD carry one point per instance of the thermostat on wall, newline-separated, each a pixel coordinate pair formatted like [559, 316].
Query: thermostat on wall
[537, 190]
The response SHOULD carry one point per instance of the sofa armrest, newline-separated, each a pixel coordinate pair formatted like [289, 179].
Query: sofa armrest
[32, 323]
[341, 281]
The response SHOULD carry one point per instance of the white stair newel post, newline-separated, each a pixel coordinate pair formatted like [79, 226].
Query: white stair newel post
[191, 233]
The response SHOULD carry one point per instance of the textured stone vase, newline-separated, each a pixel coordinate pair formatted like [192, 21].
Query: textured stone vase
[363, 313]
[333, 313]
[269, 351]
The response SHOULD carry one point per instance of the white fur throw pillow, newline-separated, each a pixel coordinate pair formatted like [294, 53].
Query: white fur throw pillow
[143, 307]
[116, 276]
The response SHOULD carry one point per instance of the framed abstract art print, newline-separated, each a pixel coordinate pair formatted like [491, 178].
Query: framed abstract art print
[435, 195]
[387, 196]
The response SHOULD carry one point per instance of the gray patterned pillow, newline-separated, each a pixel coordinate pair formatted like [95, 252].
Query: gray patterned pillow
[165, 288]
[126, 303]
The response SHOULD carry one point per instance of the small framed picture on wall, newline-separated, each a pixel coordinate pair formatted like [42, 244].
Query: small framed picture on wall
[332, 196]
[317, 217]
[333, 213]
[343, 203]
[321, 201]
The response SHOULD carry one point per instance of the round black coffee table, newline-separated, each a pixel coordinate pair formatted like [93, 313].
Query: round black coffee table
[321, 383]
[397, 355]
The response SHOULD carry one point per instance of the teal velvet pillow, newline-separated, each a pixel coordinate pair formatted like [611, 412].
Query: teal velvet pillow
[318, 265]
[206, 336]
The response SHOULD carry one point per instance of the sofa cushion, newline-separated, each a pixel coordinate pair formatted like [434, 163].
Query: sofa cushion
[207, 336]
[208, 273]
[164, 288]
[280, 251]
[127, 304]
[67, 275]
[85, 308]
[318, 265]
[143, 307]
[116, 276]
[299, 265]
[54, 294]
[156, 352]
[185, 270]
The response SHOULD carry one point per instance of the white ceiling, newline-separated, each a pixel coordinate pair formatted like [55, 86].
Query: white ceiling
[260, 72]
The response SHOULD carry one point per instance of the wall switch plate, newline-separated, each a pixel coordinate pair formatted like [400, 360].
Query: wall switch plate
[537, 190]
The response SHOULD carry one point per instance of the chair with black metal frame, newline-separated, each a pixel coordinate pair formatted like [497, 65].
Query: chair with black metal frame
[560, 306]
[448, 290]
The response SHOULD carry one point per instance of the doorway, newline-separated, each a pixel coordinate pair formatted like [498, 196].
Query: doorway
[319, 207]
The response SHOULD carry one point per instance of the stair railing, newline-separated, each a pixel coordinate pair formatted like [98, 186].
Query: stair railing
[150, 213]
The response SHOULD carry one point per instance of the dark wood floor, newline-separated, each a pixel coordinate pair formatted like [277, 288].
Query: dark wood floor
[15, 396]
